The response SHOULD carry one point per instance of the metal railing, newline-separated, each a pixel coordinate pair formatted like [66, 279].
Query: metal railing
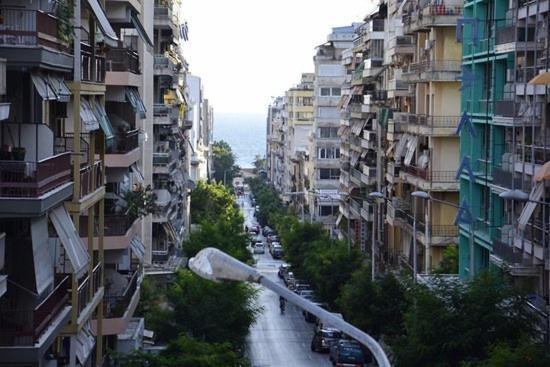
[116, 306]
[26, 27]
[115, 225]
[429, 175]
[442, 230]
[19, 327]
[123, 59]
[84, 293]
[124, 142]
[93, 69]
[34, 179]
[64, 144]
[506, 252]
[91, 178]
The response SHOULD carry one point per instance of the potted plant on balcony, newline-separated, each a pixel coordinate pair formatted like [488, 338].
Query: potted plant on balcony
[140, 201]
[64, 13]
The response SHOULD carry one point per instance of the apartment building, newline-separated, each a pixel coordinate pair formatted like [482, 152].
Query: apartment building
[323, 167]
[299, 117]
[422, 144]
[275, 143]
[504, 145]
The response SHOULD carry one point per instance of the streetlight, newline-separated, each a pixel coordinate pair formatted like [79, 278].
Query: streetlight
[213, 264]
[424, 196]
[374, 196]
[516, 195]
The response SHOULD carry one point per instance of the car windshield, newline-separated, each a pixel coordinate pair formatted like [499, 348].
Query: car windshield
[331, 334]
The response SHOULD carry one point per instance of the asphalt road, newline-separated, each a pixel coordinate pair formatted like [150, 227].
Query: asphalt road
[277, 340]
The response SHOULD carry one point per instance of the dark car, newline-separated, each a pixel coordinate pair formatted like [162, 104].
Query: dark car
[309, 317]
[277, 253]
[323, 338]
[267, 231]
[345, 352]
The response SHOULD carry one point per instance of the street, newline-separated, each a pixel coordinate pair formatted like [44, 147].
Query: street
[275, 339]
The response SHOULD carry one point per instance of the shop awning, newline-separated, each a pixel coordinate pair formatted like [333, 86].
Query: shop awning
[87, 116]
[84, 344]
[411, 148]
[70, 239]
[99, 14]
[138, 249]
[104, 120]
[43, 87]
[43, 261]
[141, 31]
[61, 90]
[541, 79]
[133, 97]
[529, 207]
[171, 232]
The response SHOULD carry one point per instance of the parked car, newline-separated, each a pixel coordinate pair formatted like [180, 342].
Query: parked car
[309, 317]
[306, 293]
[283, 270]
[348, 352]
[289, 278]
[267, 231]
[323, 338]
[277, 252]
[299, 285]
[259, 248]
[272, 238]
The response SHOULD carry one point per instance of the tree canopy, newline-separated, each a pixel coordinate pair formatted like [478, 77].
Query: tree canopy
[223, 162]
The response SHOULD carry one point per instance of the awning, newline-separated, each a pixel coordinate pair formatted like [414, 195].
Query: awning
[141, 31]
[87, 116]
[354, 158]
[133, 97]
[338, 220]
[99, 14]
[70, 239]
[84, 344]
[104, 121]
[137, 173]
[543, 173]
[180, 98]
[43, 87]
[390, 149]
[357, 126]
[400, 148]
[170, 231]
[529, 207]
[341, 101]
[138, 249]
[541, 79]
[42, 256]
[343, 130]
[411, 148]
[61, 90]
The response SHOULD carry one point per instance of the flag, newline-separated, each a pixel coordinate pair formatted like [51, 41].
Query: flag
[184, 31]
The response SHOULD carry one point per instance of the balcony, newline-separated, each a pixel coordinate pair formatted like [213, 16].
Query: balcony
[367, 211]
[28, 188]
[392, 172]
[125, 149]
[510, 180]
[355, 207]
[433, 71]
[397, 88]
[401, 45]
[429, 125]
[31, 37]
[88, 295]
[165, 19]
[164, 65]
[511, 113]
[430, 180]
[35, 327]
[120, 304]
[93, 68]
[356, 177]
[164, 114]
[122, 67]
[512, 37]
[505, 253]
[431, 15]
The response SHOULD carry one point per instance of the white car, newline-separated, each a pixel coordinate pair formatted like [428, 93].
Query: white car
[259, 248]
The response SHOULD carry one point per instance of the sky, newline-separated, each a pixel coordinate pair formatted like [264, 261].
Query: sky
[249, 50]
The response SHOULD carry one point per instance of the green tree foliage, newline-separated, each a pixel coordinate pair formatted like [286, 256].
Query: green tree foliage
[209, 311]
[268, 199]
[449, 264]
[187, 352]
[450, 323]
[259, 163]
[140, 201]
[525, 354]
[223, 161]
[209, 201]
[374, 306]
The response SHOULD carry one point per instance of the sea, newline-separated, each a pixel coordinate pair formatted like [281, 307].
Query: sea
[245, 133]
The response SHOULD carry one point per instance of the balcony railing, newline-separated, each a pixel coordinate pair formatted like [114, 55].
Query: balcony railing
[441, 230]
[115, 225]
[429, 175]
[513, 33]
[436, 66]
[123, 59]
[93, 69]
[433, 121]
[91, 178]
[30, 27]
[124, 142]
[20, 327]
[84, 294]
[116, 306]
[511, 180]
[506, 252]
[34, 179]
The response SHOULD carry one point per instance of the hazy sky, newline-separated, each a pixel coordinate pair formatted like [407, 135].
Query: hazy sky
[249, 50]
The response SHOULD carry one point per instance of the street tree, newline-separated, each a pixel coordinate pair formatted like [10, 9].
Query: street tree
[223, 162]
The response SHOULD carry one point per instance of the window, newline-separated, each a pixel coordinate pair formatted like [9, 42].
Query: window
[327, 132]
[329, 173]
[325, 92]
[329, 153]
[330, 92]
[326, 210]
[308, 101]
[336, 91]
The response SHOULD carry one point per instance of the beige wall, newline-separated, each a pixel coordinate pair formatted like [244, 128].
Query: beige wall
[446, 99]
[445, 154]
